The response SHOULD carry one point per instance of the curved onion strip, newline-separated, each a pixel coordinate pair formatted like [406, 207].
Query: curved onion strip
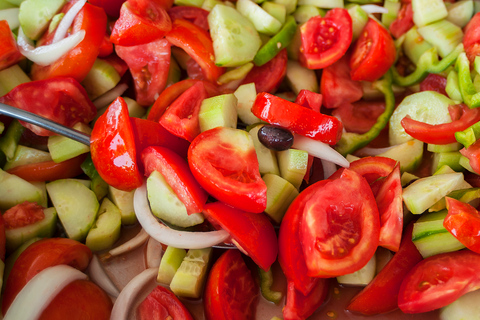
[372, 8]
[328, 168]
[127, 296]
[130, 245]
[320, 150]
[99, 276]
[367, 151]
[105, 99]
[45, 55]
[168, 236]
[67, 21]
[40, 291]
[153, 254]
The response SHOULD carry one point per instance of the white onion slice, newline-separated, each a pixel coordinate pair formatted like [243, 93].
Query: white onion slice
[320, 150]
[367, 151]
[99, 276]
[127, 296]
[45, 55]
[130, 245]
[153, 253]
[329, 168]
[105, 99]
[67, 21]
[168, 236]
[372, 8]
[40, 291]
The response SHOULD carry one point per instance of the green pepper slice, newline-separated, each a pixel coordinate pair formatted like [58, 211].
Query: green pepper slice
[469, 94]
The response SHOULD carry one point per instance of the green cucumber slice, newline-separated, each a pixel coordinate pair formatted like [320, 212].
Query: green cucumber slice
[106, 230]
[428, 11]
[443, 35]
[190, 277]
[280, 194]
[218, 111]
[35, 16]
[267, 159]
[261, 19]
[171, 261]
[15, 190]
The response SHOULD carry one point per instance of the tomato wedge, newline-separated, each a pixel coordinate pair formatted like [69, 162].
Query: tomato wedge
[9, 53]
[113, 148]
[40, 255]
[473, 155]
[23, 214]
[224, 162]
[463, 221]
[231, 291]
[249, 230]
[434, 82]
[197, 16]
[325, 39]
[339, 229]
[162, 303]
[471, 38]
[300, 306]
[360, 116]
[373, 53]
[403, 22]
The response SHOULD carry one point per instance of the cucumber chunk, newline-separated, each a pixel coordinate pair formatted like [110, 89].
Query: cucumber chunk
[460, 12]
[360, 277]
[106, 230]
[35, 16]
[443, 35]
[293, 165]
[235, 39]
[262, 20]
[26, 155]
[124, 202]
[267, 159]
[62, 148]
[246, 94]
[428, 11]
[190, 277]
[218, 111]
[15, 190]
[171, 261]
[464, 308]
[280, 194]
[299, 77]
[409, 154]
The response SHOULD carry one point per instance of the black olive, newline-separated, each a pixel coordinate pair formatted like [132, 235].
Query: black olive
[275, 138]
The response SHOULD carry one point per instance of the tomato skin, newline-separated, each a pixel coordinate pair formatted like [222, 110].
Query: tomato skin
[81, 299]
[197, 16]
[336, 28]
[40, 255]
[339, 230]
[176, 172]
[337, 87]
[78, 61]
[294, 117]
[111, 7]
[473, 155]
[253, 232]
[434, 82]
[371, 168]
[113, 148]
[373, 53]
[441, 133]
[309, 99]
[300, 306]
[438, 281]
[23, 214]
[381, 294]
[268, 77]
[67, 103]
[181, 117]
[197, 44]
[231, 292]
[9, 53]
[360, 116]
[226, 170]
[403, 22]
[149, 64]
[163, 300]
[463, 221]
[290, 253]
[471, 38]
[3, 239]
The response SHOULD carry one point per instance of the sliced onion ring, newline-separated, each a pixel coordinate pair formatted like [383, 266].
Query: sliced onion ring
[372, 8]
[105, 99]
[128, 246]
[99, 276]
[67, 21]
[127, 296]
[320, 150]
[40, 291]
[46, 55]
[168, 236]
[153, 253]
[329, 168]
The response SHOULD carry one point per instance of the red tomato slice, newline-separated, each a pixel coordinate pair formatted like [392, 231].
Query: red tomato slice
[403, 22]
[80, 299]
[300, 306]
[67, 103]
[471, 38]
[106, 48]
[439, 280]
[325, 39]
[373, 53]
[309, 99]
[171, 93]
[253, 232]
[290, 253]
[113, 148]
[390, 207]
[224, 162]
[294, 117]
[149, 64]
[176, 172]
[337, 87]
[268, 77]
[162, 303]
[381, 294]
[231, 292]
[197, 44]
[140, 22]
[40, 255]
[463, 221]
[9, 53]
[2, 239]
[434, 82]
[360, 116]
[441, 133]
[23, 214]
[78, 61]
[197, 16]
[111, 7]
[181, 117]
[371, 168]
[340, 227]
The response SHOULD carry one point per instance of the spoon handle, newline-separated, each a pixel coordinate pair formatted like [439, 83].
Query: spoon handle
[45, 123]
